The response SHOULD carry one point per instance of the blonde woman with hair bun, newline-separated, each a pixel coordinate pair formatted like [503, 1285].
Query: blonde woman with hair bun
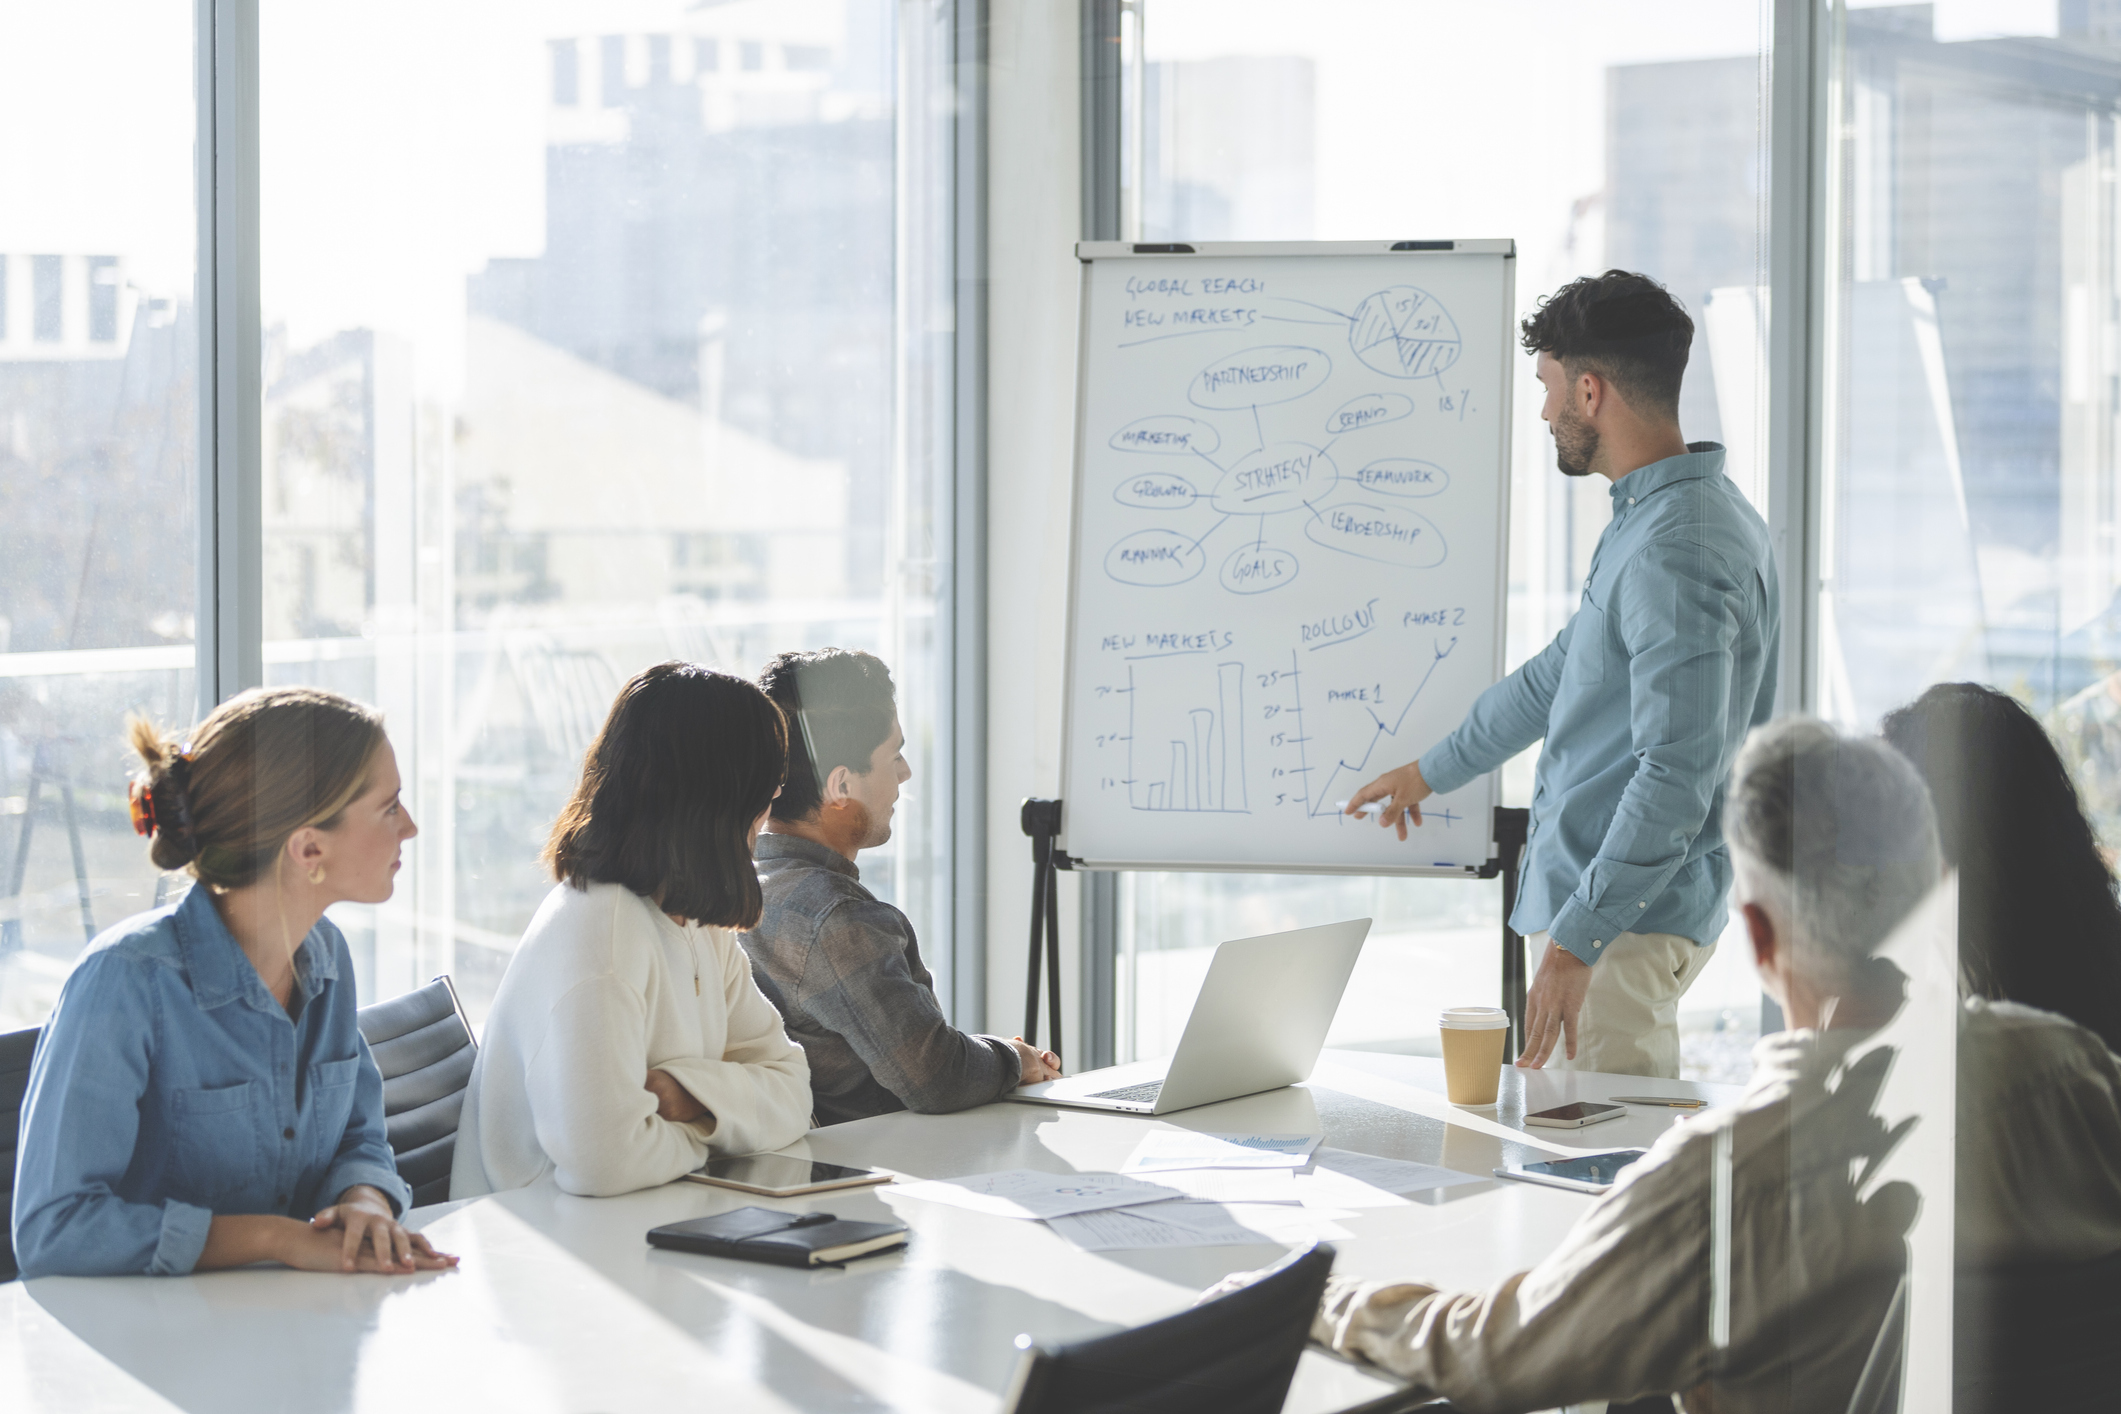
[201, 1096]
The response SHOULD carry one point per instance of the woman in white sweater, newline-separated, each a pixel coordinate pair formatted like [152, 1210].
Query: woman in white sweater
[628, 1041]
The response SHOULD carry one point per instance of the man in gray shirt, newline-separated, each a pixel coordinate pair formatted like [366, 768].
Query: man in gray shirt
[844, 967]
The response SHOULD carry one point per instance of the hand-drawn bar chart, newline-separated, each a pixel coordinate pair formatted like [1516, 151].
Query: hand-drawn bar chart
[1206, 766]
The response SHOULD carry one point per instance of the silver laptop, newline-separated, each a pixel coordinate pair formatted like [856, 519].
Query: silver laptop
[1258, 1024]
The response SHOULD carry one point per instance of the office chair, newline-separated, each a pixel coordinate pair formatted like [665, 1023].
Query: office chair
[2038, 1336]
[1234, 1355]
[424, 1047]
[16, 1048]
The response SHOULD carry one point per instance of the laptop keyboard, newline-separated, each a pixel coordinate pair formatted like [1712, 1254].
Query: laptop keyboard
[1143, 1093]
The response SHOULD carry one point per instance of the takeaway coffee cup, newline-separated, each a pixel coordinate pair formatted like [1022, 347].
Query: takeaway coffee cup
[1473, 1038]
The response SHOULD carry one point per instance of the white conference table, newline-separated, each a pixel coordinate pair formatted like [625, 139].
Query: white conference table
[561, 1305]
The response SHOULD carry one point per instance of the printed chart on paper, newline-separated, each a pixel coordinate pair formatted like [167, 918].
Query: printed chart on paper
[1290, 505]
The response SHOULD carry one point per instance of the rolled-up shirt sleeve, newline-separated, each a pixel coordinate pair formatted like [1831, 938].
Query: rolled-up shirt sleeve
[1505, 719]
[80, 1122]
[1679, 612]
[856, 982]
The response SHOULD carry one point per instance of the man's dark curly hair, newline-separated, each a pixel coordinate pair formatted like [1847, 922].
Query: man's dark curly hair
[1626, 328]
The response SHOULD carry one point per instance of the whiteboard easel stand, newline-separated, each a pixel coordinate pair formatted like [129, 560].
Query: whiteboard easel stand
[1041, 820]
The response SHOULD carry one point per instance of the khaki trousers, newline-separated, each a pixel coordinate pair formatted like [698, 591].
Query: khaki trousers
[1629, 1024]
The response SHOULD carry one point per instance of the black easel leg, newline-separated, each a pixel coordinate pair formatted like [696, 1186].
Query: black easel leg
[1039, 875]
[1053, 976]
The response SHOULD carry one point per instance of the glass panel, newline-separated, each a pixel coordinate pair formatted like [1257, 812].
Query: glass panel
[1972, 519]
[1632, 138]
[584, 350]
[98, 484]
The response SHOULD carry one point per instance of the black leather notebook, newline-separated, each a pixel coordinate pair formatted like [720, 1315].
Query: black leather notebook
[791, 1239]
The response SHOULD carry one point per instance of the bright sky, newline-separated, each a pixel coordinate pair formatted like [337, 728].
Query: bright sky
[1438, 118]
[403, 143]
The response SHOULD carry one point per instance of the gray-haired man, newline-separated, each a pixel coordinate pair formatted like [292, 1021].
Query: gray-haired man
[1834, 843]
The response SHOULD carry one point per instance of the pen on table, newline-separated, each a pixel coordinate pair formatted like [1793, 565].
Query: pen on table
[1672, 1102]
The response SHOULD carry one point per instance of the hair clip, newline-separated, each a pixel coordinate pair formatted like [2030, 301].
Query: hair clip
[142, 802]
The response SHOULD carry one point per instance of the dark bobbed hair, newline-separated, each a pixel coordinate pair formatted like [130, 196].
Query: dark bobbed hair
[264, 764]
[686, 761]
[2038, 920]
[1626, 328]
[840, 705]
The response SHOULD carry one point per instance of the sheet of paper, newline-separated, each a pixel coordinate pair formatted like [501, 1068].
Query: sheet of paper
[1222, 1222]
[1161, 1149]
[1234, 1185]
[1117, 1230]
[1028, 1193]
[1392, 1175]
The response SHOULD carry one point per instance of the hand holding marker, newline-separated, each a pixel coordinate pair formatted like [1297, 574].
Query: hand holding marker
[1395, 797]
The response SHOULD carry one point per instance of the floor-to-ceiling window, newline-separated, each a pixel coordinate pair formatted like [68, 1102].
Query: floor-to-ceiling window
[1594, 136]
[1971, 522]
[592, 336]
[98, 379]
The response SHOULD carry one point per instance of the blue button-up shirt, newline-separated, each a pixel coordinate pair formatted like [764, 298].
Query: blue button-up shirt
[1643, 699]
[169, 1087]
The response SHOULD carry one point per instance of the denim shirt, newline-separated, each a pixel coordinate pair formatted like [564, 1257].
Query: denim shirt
[1643, 700]
[169, 1087]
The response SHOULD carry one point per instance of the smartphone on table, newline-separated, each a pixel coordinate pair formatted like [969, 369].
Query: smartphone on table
[1577, 1115]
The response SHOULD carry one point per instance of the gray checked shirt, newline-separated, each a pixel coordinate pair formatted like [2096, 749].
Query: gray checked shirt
[845, 970]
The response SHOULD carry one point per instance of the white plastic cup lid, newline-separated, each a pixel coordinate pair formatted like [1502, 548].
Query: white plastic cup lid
[1474, 1018]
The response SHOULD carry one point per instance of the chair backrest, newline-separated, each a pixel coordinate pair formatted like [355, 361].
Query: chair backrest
[2039, 1336]
[1235, 1354]
[424, 1047]
[16, 1048]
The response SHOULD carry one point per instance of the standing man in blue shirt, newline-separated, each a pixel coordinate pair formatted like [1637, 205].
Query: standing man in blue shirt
[1642, 699]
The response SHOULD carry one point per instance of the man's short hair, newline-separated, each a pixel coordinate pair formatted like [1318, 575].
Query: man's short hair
[1626, 328]
[1842, 829]
[840, 705]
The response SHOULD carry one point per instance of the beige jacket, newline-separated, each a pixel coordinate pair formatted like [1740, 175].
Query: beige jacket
[1623, 1308]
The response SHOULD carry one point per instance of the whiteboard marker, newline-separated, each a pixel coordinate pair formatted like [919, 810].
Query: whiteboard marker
[1375, 807]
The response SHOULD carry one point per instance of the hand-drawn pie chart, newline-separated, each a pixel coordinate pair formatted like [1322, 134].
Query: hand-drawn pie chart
[1404, 332]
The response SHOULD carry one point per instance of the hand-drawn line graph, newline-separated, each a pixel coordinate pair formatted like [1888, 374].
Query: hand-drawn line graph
[1204, 772]
[1321, 800]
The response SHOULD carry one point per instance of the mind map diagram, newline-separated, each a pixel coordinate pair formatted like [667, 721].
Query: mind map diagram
[1289, 484]
[1256, 483]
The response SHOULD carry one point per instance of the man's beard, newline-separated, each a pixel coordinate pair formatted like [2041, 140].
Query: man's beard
[872, 833]
[1575, 444]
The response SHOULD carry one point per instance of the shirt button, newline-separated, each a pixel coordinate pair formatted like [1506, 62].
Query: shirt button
[1597, 942]
[280, 1199]
[1643, 904]
[287, 1134]
[1631, 500]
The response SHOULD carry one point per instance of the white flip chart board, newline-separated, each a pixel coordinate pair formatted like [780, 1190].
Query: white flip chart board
[1291, 510]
